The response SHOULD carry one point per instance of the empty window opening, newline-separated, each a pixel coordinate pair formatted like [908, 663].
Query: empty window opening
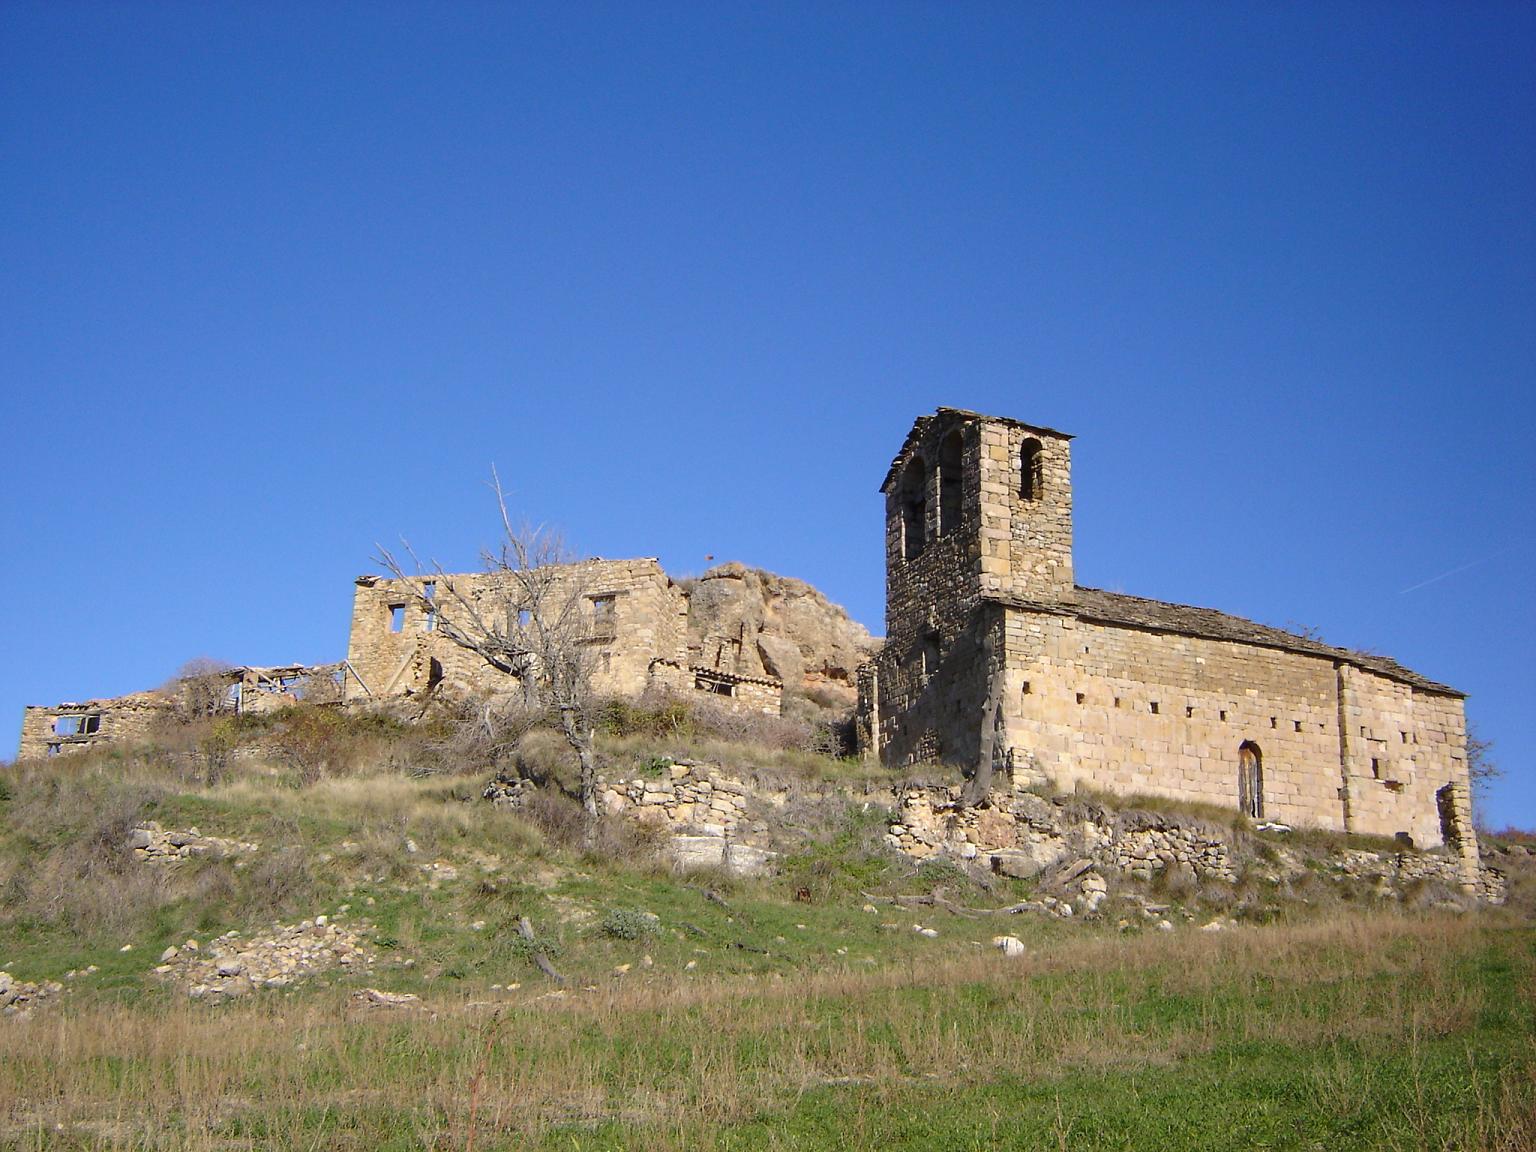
[950, 490]
[1117, 701]
[1405, 737]
[718, 687]
[54, 749]
[1189, 711]
[396, 617]
[1376, 767]
[604, 611]
[1031, 478]
[1081, 698]
[1154, 707]
[1298, 724]
[82, 725]
[1026, 688]
[434, 672]
[1274, 721]
[429, 621]
[1223, 713]
[914, 508]
[429, 590]
[524, 617]
[928, 657]
[1250, 780]
[1362, 729]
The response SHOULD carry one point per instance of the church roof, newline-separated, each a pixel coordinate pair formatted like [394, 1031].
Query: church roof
[922, 424]
[1182, 619]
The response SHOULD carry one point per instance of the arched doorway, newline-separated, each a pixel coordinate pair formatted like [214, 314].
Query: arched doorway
[1250, 780]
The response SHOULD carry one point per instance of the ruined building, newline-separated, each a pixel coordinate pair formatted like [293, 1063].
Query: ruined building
[736, 637]
[635, 620]
[52, 730]
[995, 657]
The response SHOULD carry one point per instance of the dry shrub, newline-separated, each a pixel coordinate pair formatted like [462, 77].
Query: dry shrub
[565, 824]
[547, 758]
[78, 871]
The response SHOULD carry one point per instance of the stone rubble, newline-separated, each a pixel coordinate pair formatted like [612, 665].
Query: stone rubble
[150, 841]
[20, 999]
[235, 966]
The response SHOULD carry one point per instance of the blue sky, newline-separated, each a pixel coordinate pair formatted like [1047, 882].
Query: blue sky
[279, 282]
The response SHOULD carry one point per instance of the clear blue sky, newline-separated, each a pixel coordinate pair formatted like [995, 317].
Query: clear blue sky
[280, 281]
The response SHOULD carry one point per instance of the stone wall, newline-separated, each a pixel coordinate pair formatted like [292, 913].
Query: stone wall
[633, 611]
[744, 694]
[1127, 711]
[63, 728]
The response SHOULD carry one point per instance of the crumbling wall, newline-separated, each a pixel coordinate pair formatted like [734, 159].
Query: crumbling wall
[62, 728]
[634, 612]
[746, 694]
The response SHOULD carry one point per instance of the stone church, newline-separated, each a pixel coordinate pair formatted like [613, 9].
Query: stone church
[995, 656]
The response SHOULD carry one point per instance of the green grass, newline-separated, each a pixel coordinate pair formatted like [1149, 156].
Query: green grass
[770, 1013]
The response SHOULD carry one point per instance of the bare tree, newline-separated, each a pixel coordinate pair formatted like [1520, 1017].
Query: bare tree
[1481, 772]
[532, 621]
[200, 687]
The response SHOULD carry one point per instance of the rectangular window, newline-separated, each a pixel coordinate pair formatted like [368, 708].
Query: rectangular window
[54, 749]
[604, 614]
[429, 590]
[1081, 697]
[1189, 711]
[1154, 708]
[524, 617]
[396, 617]
[1298, 725]
[429, 621]
[66, 725]
[718, 687]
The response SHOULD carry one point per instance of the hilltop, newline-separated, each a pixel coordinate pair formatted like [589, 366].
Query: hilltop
[316, 926]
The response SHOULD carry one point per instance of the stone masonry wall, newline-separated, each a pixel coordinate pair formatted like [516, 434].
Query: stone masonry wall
[120, 719]
[734, 693]
[1128, 711]
[646, 621]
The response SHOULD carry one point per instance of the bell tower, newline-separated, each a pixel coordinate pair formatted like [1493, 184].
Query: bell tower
[976, 507]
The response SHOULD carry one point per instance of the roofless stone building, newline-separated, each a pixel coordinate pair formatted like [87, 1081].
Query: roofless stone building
[995, 656]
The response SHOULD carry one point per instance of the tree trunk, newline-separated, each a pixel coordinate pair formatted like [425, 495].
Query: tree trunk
[579, 737]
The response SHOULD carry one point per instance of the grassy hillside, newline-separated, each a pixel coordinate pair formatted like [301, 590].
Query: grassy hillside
[795, 1011]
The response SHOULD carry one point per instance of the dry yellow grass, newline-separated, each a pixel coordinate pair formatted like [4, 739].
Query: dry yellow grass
[177, 1075]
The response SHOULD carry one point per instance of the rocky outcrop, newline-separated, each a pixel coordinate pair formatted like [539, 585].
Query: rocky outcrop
[754, 623]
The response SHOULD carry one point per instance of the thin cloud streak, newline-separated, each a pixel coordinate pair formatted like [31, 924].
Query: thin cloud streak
[1448, 575]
